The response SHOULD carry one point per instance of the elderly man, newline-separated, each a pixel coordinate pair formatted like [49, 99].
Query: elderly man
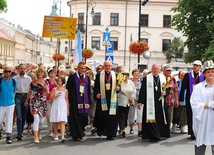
[202, 104]
[151, 96]
[190, 80]
[106, 116]
[171, 92]
[7, 90]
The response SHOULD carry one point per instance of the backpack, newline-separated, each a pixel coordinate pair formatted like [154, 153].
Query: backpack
[12, 80]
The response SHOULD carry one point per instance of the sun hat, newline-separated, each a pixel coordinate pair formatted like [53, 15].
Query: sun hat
[125, 71]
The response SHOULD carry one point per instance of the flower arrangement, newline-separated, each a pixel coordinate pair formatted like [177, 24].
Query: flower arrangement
[58, 57]
[120, 78]
[138, 47]
[87, 53]
[165, 86]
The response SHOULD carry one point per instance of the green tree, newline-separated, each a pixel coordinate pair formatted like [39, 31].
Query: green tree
[175, 49]
[3, 6]
[192, 19]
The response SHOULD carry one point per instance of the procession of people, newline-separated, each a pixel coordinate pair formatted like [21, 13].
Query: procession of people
[107, 101]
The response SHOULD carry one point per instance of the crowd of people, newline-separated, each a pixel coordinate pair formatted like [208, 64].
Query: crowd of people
[108, 101]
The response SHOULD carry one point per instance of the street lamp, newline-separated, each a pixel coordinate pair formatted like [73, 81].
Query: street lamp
[53, 13]
[139, 23]
[92, 4]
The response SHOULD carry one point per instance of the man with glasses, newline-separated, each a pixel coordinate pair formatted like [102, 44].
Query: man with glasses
[23, 84]
[7, 89]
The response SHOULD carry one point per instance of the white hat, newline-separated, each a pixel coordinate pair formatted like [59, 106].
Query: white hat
[208, 64]
[197, 62]
[125, 71]
[167, 67]
[1, 71]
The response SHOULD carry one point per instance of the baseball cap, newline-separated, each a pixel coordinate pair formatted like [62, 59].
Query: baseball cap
[208, 65]
[167, 67]
[197, 62]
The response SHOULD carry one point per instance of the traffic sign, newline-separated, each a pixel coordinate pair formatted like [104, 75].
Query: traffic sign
[106, 37]
[110, 48]
[110, 58]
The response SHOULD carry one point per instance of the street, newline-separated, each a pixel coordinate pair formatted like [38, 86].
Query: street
[178, 144]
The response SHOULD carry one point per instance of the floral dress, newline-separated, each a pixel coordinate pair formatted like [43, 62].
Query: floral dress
[38, 104]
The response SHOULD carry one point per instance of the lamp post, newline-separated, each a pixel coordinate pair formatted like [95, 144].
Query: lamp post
[53, 13]
[139, 24]
[93, 5]
[130, 53]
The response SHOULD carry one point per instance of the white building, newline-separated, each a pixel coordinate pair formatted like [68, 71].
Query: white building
[122, 19]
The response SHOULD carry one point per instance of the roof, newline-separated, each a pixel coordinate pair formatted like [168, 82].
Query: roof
[5, 36]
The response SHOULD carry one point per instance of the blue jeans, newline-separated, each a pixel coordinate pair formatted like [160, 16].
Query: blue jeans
[20, 112]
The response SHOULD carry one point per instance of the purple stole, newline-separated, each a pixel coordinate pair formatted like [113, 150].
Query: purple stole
[191, 81]
[83, 106]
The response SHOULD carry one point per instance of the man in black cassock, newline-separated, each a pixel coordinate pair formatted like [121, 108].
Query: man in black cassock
[154, 121]
[190, 80]
[79, 96]
[106, 116]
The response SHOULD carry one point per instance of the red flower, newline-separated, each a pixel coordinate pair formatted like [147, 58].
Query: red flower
[138, 47]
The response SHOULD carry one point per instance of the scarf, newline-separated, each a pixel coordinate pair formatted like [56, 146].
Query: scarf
[112, 110]
[82, 101]
[150, 102]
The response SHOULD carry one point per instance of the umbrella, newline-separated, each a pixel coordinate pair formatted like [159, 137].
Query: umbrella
[78, 48]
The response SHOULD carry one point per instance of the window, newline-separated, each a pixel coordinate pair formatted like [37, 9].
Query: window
[166, 21]
[95, 43]
[81, 21]
[115, 41]
[165, 43]
[144, 20]
[97, 19]
[114, 21]
[144, 39]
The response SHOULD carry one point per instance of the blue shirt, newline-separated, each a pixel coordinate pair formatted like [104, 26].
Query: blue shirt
[7, 92]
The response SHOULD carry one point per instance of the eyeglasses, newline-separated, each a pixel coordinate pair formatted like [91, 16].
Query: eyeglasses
[7, 71]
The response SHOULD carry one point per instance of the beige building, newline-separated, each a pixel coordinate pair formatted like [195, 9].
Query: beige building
[122, 19]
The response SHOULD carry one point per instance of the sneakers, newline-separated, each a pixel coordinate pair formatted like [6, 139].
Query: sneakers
[139, 133]
[173, 128]
[184, 129]
[131, 131]
[19, 137]
[8, 140]
[93, 131]
[50, 134]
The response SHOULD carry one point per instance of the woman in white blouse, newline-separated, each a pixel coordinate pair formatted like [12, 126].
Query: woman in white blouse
[126, 98]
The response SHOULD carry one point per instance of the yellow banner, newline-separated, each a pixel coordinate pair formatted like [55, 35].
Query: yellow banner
[59, 27]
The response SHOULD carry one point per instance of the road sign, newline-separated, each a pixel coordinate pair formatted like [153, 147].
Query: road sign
[106, 37]
[110, 58]
[110, 48]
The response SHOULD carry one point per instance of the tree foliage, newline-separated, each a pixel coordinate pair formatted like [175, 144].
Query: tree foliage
[194, 19]
[3, 6]
[175, 49]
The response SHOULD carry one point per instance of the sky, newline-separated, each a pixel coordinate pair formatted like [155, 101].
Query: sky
[29, 14]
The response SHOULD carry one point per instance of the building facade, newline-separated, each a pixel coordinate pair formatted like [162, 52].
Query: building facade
[122, 19]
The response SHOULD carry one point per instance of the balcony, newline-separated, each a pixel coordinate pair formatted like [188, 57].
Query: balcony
[81, 27]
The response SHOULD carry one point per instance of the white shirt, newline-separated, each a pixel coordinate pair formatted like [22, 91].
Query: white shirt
[203, 123]
[22, 83]
[127, 90]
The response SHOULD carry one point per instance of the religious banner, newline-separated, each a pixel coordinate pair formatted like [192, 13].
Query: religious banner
[59, 27]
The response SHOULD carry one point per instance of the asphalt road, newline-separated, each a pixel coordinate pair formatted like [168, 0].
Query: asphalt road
[178, 144]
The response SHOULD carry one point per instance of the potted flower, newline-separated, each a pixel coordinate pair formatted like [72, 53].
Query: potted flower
[87, 53]
[58, 57]
[138, 47]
